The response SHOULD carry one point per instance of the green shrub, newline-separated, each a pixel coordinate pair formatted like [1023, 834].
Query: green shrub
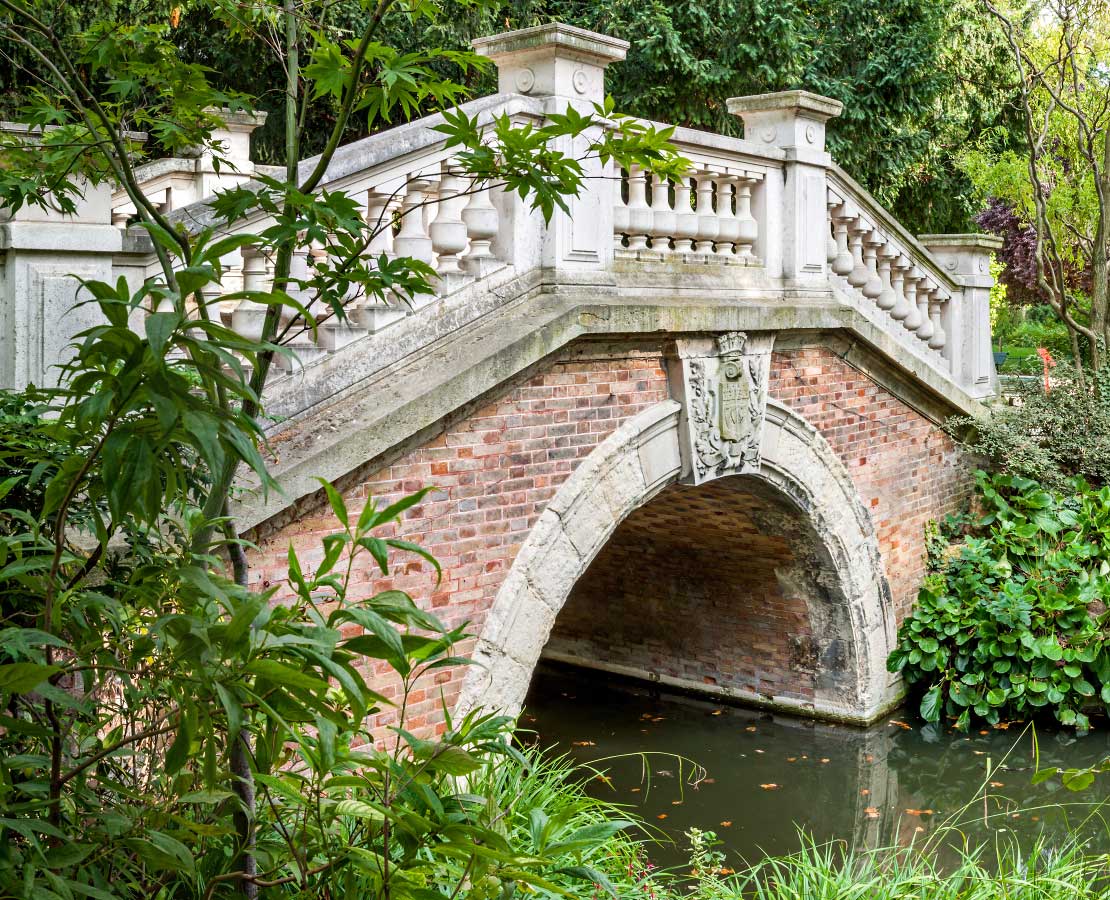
[1047, 437]
[1012, 622]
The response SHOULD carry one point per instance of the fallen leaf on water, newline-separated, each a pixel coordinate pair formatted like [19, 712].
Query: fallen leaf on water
[997, 784]
[751, 728]
[824, 759]
[984, 732]
[635, 790]
[661, 816]
[1002, 726]
[791, 759]
[726, 824]
[717, 712]
[900, 724]
[604, 778]
[865, 793]
[676, 803]
[872, 812]
[919, 812]
[584, 744]
[1036, 818]
[725, 870]
[769, 787]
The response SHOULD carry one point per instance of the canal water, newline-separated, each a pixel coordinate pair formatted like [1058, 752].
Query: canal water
[757, 779]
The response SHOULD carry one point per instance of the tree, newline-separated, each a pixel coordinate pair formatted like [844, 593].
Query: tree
[919, 79]
[167, 731]
[1058, 184]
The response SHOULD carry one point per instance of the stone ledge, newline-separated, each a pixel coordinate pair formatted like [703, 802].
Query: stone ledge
[408, 401]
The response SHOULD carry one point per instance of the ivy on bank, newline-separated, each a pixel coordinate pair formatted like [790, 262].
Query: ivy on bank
[1012, 620]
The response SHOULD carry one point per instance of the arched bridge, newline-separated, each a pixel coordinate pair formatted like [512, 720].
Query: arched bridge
[691, 435]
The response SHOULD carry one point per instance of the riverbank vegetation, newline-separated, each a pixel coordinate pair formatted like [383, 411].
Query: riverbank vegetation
[1011, 622]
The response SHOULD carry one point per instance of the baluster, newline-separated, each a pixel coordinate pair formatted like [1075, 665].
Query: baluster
[482, 224]
[925, 291]
[298, 339]
[448, 231]
[247, 317]
[899, 266]
[859, 275]
[887, 298]
[749, 228]
[686, 220]
[639, 213]
[375, 313]
[662, 216]
[912, 284]
[620, 212]
[412, 240]
[939, 338]
[873, 286]
[831, 246]
[844, 262]
[728, 224]
[707, 216]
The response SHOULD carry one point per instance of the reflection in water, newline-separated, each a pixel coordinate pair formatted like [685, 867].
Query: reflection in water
[767, 776]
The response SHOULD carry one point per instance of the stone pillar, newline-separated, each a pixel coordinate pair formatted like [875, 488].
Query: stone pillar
[42, 256]
[794, 121]
[966, 259]
[565, 66]
[236, 167]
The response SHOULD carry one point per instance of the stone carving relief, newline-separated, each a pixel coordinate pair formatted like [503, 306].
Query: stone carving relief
[724, 391]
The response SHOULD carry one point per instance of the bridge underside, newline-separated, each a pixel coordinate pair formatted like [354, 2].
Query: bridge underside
[725, 588]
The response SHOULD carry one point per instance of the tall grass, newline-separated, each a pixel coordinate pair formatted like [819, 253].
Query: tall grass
[540, 786]
[831, 872]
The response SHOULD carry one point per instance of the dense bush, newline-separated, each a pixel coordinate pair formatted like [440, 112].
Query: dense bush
[1047, 437]
[1012, 621]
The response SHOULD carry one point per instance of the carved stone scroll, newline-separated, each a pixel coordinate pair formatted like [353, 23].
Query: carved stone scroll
[722, 384]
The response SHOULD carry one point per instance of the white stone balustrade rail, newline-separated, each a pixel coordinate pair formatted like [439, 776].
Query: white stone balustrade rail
[769, 217]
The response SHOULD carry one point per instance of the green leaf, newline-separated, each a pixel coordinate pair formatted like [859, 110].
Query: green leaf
[932, 703]
[24, 677]
[284, 675]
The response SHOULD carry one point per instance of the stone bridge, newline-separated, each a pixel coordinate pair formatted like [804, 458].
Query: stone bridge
[687, 435]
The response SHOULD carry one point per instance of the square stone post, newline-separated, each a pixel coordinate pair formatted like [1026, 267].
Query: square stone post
[42, 254]
[234, 138]
[794, 121]
[565, 66]
[967, 260]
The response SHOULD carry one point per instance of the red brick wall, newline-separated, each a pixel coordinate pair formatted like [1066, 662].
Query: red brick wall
[907, 470]
[495, 471]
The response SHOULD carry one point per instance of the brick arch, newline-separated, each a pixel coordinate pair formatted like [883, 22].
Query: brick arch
[846, 587]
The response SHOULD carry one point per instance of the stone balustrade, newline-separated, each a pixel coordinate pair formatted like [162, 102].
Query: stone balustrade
[766, 214]
[705, 218]
[866, 257]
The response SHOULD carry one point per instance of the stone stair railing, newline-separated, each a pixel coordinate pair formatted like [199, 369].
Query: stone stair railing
[770, 212]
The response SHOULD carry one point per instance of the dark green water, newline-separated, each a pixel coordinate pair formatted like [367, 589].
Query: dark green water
[765, 776]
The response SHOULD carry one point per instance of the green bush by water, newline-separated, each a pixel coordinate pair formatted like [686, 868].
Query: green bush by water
[1012, 621]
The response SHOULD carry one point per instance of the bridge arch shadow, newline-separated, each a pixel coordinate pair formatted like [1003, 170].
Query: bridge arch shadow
[766, 587]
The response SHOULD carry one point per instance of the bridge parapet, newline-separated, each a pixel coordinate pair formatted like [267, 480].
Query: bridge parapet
[769, 218]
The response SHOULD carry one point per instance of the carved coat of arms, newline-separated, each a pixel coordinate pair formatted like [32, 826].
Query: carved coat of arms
[725, 387]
